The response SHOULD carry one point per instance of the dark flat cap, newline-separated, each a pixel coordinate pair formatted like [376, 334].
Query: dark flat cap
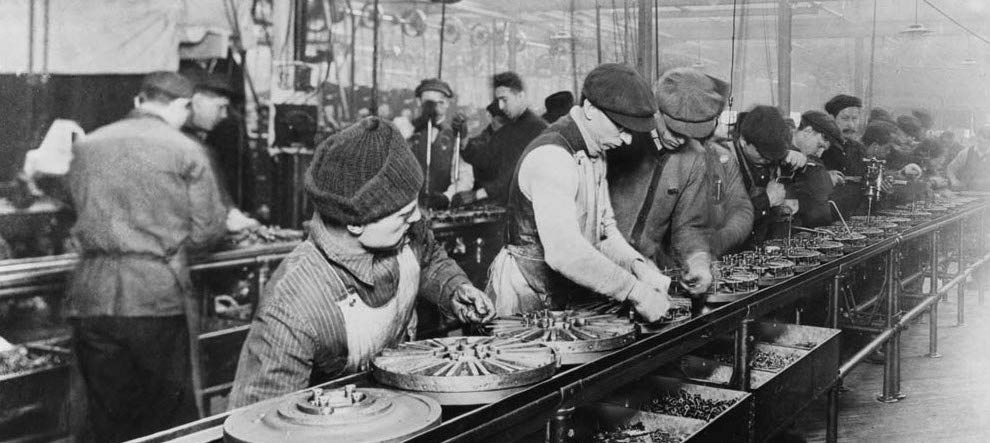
[559, 100]
[171, 83]
[434, 84]
[691, 101]
[880, 132]
[216, 83]
[824, 124]
[925, 117]
[880, 114]
[911, 126]
[623, 94]
[764, 127]
[840, 102]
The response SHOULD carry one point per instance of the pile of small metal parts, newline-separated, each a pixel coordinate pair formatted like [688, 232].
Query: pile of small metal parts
[686, 404]
[472, 215]
[636, 433]
[21, 359]
[772, 361]
[261, 236]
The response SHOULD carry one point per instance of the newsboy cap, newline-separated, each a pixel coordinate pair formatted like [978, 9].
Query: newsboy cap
[434, 84]
[824, 124]
[623, 94]
[691, 101]
[171, 83]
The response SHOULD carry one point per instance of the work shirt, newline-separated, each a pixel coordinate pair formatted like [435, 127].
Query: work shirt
[494, 154]
[812, 187]
[756, 177]
[143, 193]
[972, 167]
[330, 306]
[670, 186]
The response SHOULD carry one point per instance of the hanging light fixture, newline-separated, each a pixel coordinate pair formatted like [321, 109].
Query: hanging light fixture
[698, 64]
[916, 29]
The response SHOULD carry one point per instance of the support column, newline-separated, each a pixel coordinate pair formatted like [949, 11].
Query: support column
[645, 49]
[978, 275]
[741, 370]
[892, 364]
[933, 291]
[560, 428]
[832, 410]
[961, 290]
[859, 57]
[784, 56]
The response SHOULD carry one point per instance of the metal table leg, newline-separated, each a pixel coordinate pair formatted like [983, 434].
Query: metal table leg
[832, 412]
[892, 365]
[932, 290]
[961, 290]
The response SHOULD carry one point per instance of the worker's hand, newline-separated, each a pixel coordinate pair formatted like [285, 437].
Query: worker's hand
[237, 221]
[775, 193]
[697, 276]
[887, 184]
[791, 206]
[463, 198]
[471, 305]
[796, 159]
[838, 178]
[649, 274]
[911, 172]
[649, 303]
[435, 201]
[459, 124]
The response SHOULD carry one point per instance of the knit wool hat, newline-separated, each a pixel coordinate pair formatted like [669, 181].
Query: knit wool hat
[764, 128]
[691, 101]
[840, 102]
[623, 95]
[363, 173]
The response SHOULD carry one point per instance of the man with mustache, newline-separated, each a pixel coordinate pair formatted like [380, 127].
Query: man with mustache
[846, 158]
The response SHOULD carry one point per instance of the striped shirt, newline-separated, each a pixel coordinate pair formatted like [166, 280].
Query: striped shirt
[298, 336]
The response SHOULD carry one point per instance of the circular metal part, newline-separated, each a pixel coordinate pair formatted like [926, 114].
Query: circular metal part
[852, 241]
[579, 335]
[733, 286]
[346, 414]
[773, 270]
[678, 312]
[803, 258]
[465, 370]
[830, 250]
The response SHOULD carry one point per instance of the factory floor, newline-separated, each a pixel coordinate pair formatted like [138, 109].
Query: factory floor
[948, 398]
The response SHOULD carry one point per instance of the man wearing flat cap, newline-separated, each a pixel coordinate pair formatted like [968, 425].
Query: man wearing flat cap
[446, 173]
[660, 186]
[812, 184]
[762, 150]
[349, 290]
[144, 195]
[562, 242]
[846, 158]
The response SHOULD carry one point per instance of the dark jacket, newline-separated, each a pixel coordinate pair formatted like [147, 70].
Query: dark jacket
[676, 224]
[812, 187]
[847, 158]
[731, 212]
[299, 334]
[494, 154]
[766, 219]
[441, 157]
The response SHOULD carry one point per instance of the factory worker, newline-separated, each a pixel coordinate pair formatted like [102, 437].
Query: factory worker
[349, 290]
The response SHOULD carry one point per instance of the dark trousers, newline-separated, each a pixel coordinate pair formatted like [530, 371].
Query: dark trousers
[137, 373]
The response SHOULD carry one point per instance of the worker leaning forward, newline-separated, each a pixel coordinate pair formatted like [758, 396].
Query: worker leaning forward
[349, 290]
[561, 238]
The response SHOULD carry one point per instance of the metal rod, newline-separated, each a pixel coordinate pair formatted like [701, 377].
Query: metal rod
[833, 301]
[913, 277]
[922, 307]
[982, 242]
[741, 369]
[832, 416]
[889, 392]
[841, 218]
[559, 428]
[961, 289]
[933, 294]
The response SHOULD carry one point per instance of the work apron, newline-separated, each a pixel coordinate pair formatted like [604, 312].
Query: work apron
[369, 329]
[519, 278]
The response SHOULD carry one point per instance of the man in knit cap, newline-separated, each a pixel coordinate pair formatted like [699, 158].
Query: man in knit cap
[350, 289]
[662, 188]
[562, 241]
